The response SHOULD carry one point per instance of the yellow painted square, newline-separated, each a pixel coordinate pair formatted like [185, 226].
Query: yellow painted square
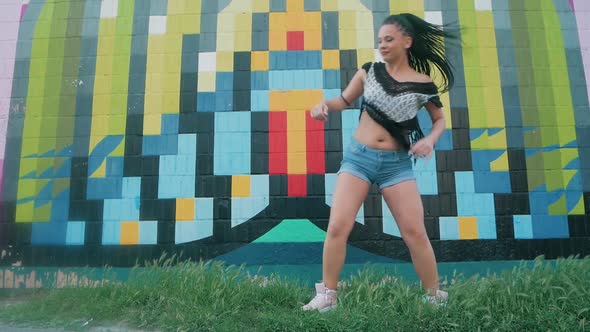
[226, 22]
[312, 21]
[119, 151]
[171, 103]
[60, 184]
[243, 22]
[297, 162]
[185, 209]
[28, 165]
[278, 101]
[225, 41]
[277, 40]
[296, 142]
[295, 21]
[240, 186]
[42, 213]
[295, 5]
[190, 24]
[24, 211]
[312, 40]
[243, 41]
[329, 5]
[259, 61]
[296, 122]
[206, 82]
[331, 59]
[365, 55]
[579, 207]
[261, 6]
[129, 232]
[347, 21]
[347, 39]
[224, 61]
[27, 188]
[276, 22]
[500, 164]
[152, 124]
[468, 228]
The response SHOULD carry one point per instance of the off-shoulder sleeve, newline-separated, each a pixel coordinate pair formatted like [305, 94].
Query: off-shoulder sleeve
[436, 101]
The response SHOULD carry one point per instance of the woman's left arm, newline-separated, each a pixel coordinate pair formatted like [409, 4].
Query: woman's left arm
[425, 146]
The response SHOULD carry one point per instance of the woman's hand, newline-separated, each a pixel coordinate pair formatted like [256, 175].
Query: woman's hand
[422, 149]
[320, 112]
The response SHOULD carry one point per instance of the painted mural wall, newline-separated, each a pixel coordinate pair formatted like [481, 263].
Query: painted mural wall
[133, 128]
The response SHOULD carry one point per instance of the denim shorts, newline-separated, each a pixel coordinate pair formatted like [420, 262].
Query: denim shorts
[382, 167]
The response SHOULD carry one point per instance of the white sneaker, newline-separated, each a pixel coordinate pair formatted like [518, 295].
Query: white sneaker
[324, 300]
[440, 299]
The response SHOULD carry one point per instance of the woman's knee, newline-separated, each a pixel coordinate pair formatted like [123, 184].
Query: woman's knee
[415, 235]
[339, 226]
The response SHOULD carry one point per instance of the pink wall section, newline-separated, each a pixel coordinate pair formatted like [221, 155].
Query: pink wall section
[582, 9]
[10, 15]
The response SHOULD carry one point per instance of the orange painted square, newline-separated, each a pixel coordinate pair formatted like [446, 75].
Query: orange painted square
[468, 228]
[240, 186]
[129, 232]
[185, 209]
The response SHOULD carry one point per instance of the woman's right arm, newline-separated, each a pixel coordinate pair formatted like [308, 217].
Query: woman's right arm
[350, 94]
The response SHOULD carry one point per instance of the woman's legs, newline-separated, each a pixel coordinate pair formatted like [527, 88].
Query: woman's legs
[349, 194]
[405, 203]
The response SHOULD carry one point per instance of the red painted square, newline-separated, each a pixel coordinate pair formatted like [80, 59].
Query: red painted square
[316, 162]
[297, 185]
[295, 40]
[277, 143]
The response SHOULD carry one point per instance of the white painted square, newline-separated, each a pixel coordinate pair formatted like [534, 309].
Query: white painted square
[434, 17]
[157, 25]
[109, 8]
[207, 61]
[483, 5]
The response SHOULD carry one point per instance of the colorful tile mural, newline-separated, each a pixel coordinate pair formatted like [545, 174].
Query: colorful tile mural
[132, 128]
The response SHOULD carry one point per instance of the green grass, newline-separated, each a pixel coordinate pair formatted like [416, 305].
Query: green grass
[185, 296]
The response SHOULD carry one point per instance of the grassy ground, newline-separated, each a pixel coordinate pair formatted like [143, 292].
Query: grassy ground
[172, 296]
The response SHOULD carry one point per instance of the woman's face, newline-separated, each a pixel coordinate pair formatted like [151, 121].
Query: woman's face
[393, 43]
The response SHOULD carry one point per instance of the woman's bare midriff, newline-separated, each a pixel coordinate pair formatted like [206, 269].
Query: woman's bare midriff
[373, 135]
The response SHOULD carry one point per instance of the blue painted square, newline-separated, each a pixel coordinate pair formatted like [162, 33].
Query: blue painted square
[486, 227]
[224, 101]
[523, 227]
[114, 166]
[170, 124]
[224, 81]
[60, 208]
[259, 100]
[111, 233]
[121, 209]
[331, 79]
[333, 93]
[464, 182]
[445, 142]
[427, 182]
[259, 185]
[131, 187]
[541, 200]
[466, 204]
[572, 198]
[481, 159]
[148, 232]
[259, 80]
[278, 60]
[389, 222]
[46, 233]
[550, 227]
[278, 5]
[75, 233]
[235, 122]
[206, 102]
[176, 186]
[104, 188]
[185, 165]
[204, 208]
[448, 228]
[492, 182]
[187, 144]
